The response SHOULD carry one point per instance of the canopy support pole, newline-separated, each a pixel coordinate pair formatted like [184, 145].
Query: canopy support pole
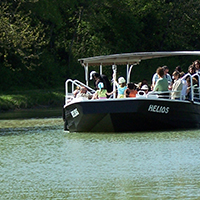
[86, 74]
[114, 68]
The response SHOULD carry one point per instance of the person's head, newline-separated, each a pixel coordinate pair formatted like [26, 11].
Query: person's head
[178, 68]
[165, 69]
[160, 72]
[145, 88]
[83, 90]
[131, 86]
[94, 75]
[144, 82]
[196, 64]
[122, 81]
[191, 69]
[100, 86]
[176, 75]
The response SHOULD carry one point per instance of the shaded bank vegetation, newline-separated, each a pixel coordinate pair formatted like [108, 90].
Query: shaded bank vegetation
[31, 99]
[41, 40]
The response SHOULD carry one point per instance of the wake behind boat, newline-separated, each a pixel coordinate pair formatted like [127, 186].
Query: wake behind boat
[145, 112]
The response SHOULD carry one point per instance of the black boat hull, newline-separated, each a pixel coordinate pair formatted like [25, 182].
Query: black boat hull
[131, 115]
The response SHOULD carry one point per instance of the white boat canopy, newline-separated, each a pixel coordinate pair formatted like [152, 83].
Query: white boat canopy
[129, 59]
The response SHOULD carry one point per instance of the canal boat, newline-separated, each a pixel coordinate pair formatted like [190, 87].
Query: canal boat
[145, 112]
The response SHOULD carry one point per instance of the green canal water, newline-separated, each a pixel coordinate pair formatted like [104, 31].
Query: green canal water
[41, 161]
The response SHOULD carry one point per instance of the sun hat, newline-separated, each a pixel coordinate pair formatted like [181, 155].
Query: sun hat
[100, 85]
[91, 74]
[121, 80]
[144, 87]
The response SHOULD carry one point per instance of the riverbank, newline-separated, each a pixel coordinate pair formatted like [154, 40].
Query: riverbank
[31, 99]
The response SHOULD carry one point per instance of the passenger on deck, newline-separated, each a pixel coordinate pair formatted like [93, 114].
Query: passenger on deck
[131, 90]
[145, 88]
[101, 92]
[177, 86]
[195, 85]
[143, 82]
[162, 83]
[121, 87]
[166, 75]
[100, 78]
[196, 64]
[84, 93]
[178, 68]
[76, 91]
[184, 86]
[191, 69]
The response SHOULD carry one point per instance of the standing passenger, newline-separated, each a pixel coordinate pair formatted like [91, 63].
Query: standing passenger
[121, 87]
[177, 86]
[100, 78]
[184, 88]
[191, 69]
[166, 75]
[196, 64]
[161, 83]
[101, 92]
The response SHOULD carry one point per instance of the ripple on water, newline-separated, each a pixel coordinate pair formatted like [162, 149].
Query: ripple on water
[41, 161]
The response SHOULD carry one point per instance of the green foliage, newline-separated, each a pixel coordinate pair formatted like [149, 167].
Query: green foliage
[20, 42]
[31, 99]
[41, 40]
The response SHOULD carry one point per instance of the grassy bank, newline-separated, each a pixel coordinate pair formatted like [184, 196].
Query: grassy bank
[31, 99]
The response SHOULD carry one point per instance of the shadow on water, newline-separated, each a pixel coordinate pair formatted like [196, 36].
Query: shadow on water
[29, 126]
[30, 120]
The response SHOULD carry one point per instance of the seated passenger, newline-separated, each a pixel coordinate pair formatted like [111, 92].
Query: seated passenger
[76, 91]
[143, 82]
[84, 93]
[131, 90]
[101, 92]
[145, 88]
[177, 86]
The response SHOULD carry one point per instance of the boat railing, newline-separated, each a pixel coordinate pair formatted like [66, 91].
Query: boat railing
[159, 94]
[193, 93]
[170, 94]
[70, 88]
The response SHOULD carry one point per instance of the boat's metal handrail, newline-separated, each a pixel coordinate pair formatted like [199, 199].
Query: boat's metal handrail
[195, 90]
[69, 95]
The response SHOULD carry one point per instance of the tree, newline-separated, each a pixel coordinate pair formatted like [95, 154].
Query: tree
[20, 42]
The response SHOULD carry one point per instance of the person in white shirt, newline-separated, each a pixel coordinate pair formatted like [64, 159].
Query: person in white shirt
[177, 86]
[166, 75]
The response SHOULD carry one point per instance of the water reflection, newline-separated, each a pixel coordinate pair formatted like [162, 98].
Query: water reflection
[41, 161]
